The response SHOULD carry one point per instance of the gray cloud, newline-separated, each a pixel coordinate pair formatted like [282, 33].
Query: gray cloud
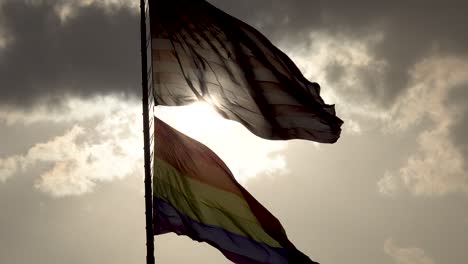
[93, 229]
[406, 255]
[95, 51]
[410, 30]
[438, 166]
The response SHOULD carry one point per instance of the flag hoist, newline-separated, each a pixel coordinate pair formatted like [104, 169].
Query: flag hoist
[199, 53]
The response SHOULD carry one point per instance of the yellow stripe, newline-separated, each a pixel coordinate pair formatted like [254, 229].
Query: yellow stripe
[206, 204]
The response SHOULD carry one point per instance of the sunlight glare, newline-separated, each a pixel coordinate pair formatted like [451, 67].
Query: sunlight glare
[228, 139]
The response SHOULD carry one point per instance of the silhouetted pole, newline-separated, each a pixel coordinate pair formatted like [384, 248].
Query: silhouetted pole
[146, 140]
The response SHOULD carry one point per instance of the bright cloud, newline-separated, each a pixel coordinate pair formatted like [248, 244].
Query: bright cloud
[84, 156]
[437, 167]
[104, 143]
[324, 50]
[410, 255]
[3, 40]
[8, 167]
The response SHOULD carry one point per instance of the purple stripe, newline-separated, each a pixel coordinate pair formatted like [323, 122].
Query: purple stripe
[237, 248]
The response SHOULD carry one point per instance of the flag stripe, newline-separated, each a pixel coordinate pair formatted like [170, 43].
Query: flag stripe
[214, 73]
[208, 196]
[169, 219]
[199, 162]
[209, 206]
[261, 74]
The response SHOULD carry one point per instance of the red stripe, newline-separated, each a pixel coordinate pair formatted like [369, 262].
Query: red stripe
[193, 159]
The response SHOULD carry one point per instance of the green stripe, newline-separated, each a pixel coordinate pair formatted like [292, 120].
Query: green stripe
[206, 204]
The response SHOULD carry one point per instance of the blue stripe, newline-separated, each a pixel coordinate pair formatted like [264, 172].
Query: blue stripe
[235, 247]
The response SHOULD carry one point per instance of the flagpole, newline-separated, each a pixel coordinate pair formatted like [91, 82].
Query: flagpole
[146, 139]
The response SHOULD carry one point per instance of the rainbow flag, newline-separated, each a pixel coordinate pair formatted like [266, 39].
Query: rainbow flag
[195, 194]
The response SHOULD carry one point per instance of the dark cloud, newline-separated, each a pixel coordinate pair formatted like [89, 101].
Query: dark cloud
[97, 51]
[94, 52]
[335, 72]
[411, 30]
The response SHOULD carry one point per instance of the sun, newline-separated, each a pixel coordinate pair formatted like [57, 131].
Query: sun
[195, 120]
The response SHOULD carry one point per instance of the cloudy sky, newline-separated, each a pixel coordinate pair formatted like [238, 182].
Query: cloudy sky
[392, 190]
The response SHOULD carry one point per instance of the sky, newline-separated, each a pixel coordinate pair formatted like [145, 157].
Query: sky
[392, 190]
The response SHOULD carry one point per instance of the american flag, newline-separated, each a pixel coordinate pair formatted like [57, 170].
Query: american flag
[200, 53]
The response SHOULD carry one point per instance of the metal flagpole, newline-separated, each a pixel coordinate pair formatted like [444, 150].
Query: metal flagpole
[146, 139]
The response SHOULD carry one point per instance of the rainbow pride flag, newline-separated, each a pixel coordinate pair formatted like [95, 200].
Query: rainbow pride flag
[195, 194]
